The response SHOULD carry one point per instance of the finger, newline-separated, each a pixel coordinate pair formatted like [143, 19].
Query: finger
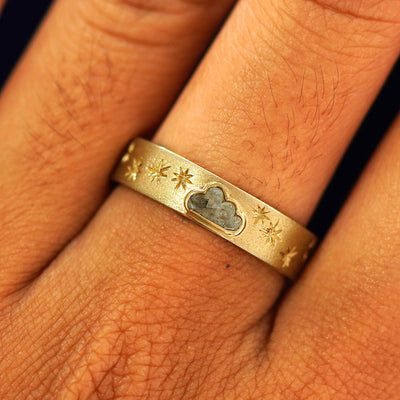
[97, 73]
[275, 126]
[166, 271]
[240, 131]
[345, 308]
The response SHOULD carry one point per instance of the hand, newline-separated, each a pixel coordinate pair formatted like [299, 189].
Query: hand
[118, 297]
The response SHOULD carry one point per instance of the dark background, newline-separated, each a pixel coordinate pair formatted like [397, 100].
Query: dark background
[21, 17]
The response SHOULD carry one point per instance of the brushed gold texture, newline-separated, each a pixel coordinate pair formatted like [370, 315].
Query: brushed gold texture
[172, 180]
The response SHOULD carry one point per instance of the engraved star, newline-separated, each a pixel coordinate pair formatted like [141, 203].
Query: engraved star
[131, 147]
[157, 170]
[127, 156]
[133, 170]
[272, 233]
[287, 257]
[260, 215]
[310, 246]
[182, 178]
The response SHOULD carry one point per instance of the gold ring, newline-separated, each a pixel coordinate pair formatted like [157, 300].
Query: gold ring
[217, 205]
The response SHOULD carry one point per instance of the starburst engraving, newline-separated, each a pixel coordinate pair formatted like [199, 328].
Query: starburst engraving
[182, 178]
[157, 170]
[271, 233]
[260, 215]
[287, 256]
[133, 170]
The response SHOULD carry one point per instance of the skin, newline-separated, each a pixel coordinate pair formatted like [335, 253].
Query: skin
[113, 296]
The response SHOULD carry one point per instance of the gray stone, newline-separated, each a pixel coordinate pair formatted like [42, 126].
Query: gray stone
[212, 206]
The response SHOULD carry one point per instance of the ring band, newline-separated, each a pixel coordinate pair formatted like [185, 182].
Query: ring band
[219, 206]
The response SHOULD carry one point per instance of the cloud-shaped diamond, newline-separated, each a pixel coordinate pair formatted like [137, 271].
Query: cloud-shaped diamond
[212, 206]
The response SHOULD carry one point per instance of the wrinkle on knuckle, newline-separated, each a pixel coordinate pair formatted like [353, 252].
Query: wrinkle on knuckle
[59, 129]
[85, 355]
[369, 10]
[97, 368]
[317, 30]
[123, 358]
[116, 343]
[141, 23]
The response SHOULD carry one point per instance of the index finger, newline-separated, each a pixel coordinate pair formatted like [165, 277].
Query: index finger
[97, 73]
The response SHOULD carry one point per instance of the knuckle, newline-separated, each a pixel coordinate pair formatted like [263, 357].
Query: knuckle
[353, 345]
[95, 362]
[172, 266]
[129, 353]
[56, 120]
[326, 27]
[154, 23]
[162, 328]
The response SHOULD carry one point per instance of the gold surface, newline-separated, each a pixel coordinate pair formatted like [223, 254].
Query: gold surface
[171, 179]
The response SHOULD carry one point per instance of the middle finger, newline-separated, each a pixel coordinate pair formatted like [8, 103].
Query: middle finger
[97, 73]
